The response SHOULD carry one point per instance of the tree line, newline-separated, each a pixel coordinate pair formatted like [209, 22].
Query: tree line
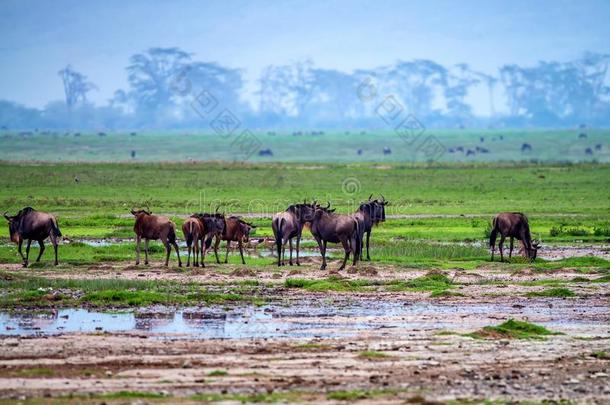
[166, 86]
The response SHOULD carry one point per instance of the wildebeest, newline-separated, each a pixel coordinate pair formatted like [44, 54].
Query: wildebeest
[147, 227]
[387, 151]
[368, 214]
[265, 152]
[235, 230]
[359, 152]
[30, 225]
[470, 152]
[588, 151]
[512, 225]
[288, 225]
[328, 227]
[526, 147]
[192, 228]
[213, 226]
[582, 135]
[598, 147]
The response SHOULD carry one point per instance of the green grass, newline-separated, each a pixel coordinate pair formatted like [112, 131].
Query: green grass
[436, 283]
[513, 329]
[559, 292]
[218, 373]
[328, 284]
[132, 394]
[373, 355]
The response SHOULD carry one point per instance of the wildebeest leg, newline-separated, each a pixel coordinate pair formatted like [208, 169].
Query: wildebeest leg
[168, 250]
[241, 251]
[368, 236]
[203, 251]
[501, 247]
[41, 244]
[54, 242]
[347, 248]
[27, 253]
[290, 243]
[175, 245]
[188, 257]
[19, 250]
[493, 248]
[138, 240]
[510, 252]
[227, 255]
[196, 257]
[216, 244]
[322, 246]
[145, 251]
[298, 243]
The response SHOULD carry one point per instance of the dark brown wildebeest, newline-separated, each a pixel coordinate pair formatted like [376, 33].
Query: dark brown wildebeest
[192, 228]
[512, 225]
[213, 226]
[235, 230]
[369, 214]
[288, 225]
[345, 229]
[30, 225]
[154, 227]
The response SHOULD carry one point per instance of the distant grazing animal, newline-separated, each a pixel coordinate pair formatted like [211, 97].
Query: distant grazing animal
[235, 230]
[526, 147]
[470, 152]
[133, 154]
[501, 137]
[460, 149]
[192, 228]
[482, 139]
[512, 225]
[582, 135]
[101, 134]
[288, 225]
[133, 133]
[588, 151]
[328, 227]
[482, 150]
[30, 225]
[213, 226]
[265, 152]
[359, 152]
[154, 227]
[387, 151]
[598, 147]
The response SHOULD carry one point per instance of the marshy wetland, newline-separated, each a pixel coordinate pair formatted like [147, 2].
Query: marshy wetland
[429, 319]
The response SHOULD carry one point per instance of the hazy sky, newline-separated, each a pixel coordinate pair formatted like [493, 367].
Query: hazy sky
[38, 38]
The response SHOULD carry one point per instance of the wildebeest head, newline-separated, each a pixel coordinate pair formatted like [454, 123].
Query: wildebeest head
[13, 227]
[304, 212]
[136, 213]
[246, 228]
[379, 209]
[533, 251]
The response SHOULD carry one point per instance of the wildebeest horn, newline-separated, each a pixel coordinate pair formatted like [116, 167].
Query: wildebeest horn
[6, 216]
[371, 196]
[382, 198]
[328, 206]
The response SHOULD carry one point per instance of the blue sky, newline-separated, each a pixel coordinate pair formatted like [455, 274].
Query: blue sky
[37, 38]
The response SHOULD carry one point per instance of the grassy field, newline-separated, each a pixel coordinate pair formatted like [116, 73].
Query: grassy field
[429, 204]
[331, 146]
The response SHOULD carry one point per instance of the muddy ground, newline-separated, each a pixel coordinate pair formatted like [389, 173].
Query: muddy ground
[402, 355]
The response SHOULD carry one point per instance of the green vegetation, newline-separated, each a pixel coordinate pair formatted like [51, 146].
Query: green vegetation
[559, 292]
[218, 373]
[601, 355]
[262, 397]
[513, 329]
[132, 394]
[332, 283]
[373, 355]
[437, 283]
[354, 395]
[43, 292]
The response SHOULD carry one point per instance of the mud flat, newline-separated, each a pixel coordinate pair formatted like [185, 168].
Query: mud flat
[322, 347]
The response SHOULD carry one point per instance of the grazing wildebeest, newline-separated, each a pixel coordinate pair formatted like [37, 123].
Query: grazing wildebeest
[328, 227]
[288, 225]
[265, 152]
[582, 135]
[598, 147]
[235, 230]
[154, 227]
[512, 225]
[192, 228]
[470, 152]
[359, 152]
[459, 149]
[368, 214]
[30, 225]
[213, 226]
[526, 147]
[588, 151]
[387, 151]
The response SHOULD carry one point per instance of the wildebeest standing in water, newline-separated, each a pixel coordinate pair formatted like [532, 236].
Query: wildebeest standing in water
[154, 227]
[345, 229]
[235, 230]
[512, 225]
[368, 214]
[30, 225]
[192, 228]
[288, 225]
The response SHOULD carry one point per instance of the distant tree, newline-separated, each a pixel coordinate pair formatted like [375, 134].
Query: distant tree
[76, 86]
[286, 89]
[459, 81]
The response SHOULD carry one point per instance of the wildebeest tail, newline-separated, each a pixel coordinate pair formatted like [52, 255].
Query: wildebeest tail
[189, 234]
[208, 242]
[55, 227]
[494, 233]
[171, 236]
[358, 242]
[279, 238]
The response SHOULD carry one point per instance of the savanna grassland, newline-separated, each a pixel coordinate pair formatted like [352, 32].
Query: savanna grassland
[430, 318]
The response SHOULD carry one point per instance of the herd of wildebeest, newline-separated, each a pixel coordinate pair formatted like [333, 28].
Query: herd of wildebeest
[204, 230]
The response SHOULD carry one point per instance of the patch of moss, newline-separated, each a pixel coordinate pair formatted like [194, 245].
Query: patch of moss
[513, 329]
[559, 292]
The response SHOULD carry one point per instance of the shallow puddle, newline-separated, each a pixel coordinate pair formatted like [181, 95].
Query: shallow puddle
[307, 318]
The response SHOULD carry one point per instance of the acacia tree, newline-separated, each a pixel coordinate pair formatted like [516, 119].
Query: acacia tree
[76, 86]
